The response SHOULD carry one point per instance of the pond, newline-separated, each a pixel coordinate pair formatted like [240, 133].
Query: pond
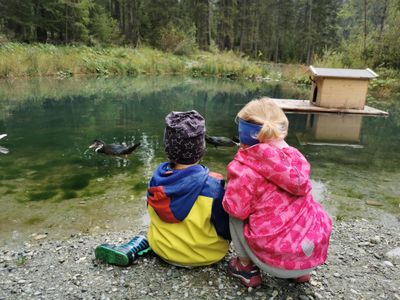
[50, 182]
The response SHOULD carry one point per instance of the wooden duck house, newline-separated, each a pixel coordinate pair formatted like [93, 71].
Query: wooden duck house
[340, 88]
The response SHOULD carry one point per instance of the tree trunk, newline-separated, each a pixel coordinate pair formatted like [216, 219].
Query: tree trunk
[309, 37]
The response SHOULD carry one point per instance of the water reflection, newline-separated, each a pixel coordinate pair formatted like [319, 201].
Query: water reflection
[332, 130]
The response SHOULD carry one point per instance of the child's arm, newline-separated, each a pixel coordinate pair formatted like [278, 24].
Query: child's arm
[239, 192]
[219, 217]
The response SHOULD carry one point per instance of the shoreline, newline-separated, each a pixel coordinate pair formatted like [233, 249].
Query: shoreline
[357, 268]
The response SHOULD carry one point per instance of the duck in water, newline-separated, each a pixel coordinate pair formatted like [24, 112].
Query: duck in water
[221, 141]
[112, 149]
[2, 149]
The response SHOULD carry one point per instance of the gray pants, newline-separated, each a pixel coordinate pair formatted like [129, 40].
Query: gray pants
[243, 250]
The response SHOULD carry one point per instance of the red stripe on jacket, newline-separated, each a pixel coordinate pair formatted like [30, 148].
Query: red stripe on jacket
[161, 204]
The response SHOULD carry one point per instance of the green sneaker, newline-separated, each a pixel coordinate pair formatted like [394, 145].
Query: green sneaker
[125, 254]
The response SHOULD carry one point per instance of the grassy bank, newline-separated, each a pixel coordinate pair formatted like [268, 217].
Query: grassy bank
[45, 60]
[40, 60]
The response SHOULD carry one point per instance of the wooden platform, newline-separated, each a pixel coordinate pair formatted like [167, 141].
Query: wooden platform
[291, 105]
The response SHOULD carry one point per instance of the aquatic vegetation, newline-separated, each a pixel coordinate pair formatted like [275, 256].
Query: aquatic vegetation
[140, 187]
[77, 182]
[69, 195]
[354, 194]
[39, 196]
[34, 220]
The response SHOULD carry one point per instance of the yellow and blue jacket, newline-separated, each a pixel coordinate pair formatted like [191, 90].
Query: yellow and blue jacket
[188, 225]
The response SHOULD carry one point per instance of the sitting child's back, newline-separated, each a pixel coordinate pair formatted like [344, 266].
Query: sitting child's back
[188, 225]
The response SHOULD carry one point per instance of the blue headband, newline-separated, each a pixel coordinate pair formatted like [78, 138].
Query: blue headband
[248, 132]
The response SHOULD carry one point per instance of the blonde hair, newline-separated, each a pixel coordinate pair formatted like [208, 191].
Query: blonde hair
[267, 113]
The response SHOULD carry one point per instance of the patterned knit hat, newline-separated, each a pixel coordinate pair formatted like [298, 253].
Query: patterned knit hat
[184, 137]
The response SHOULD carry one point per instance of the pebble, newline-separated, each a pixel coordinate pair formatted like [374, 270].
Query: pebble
[375, 240]
[388, 263]
[394, 255]
[40, 236]
[363, 244]
[152, 278]
[318, 296]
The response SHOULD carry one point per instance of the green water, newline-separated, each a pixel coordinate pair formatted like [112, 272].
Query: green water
[50, 182]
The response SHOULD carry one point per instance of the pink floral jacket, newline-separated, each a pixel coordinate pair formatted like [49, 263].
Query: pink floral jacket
[269, 189]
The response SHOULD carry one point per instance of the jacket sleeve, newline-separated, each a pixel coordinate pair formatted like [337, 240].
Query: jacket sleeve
[239, 192]
[219, 217]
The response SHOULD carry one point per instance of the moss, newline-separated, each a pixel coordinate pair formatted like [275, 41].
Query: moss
[41, 195]
[340, 218]
[393, 202]
[77, 182]
[354, 194]
[69, 195]
[34, 220]
[140, 187]
[21, 261]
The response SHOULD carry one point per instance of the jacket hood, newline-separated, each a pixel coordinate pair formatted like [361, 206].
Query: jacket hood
[286, 167]
[172, 193]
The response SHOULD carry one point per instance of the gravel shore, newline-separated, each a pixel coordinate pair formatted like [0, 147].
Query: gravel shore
[358, 267]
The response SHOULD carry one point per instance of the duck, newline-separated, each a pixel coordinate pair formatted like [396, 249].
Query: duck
[221, 141]
[112, 149]
[2, 149]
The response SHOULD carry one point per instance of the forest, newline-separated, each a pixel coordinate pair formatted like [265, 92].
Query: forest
[349, 33]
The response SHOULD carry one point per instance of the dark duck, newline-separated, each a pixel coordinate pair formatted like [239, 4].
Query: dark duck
[112, 149]
[2, 149]
[221, 141]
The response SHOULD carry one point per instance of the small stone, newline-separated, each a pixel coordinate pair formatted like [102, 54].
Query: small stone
[394, 255]
[250, 289]
[363, 244]
[375, 240]
[40, 236]
[318, 296]
[110, 269]
[354, 292]
[337, 275]
[388, 263]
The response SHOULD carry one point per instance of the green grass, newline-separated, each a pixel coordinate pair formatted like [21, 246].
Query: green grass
[41, 60]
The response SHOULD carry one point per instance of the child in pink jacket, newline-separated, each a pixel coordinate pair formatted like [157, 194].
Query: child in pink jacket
[275, 224]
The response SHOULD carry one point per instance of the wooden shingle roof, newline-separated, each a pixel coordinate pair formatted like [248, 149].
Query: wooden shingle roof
[343, 73]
